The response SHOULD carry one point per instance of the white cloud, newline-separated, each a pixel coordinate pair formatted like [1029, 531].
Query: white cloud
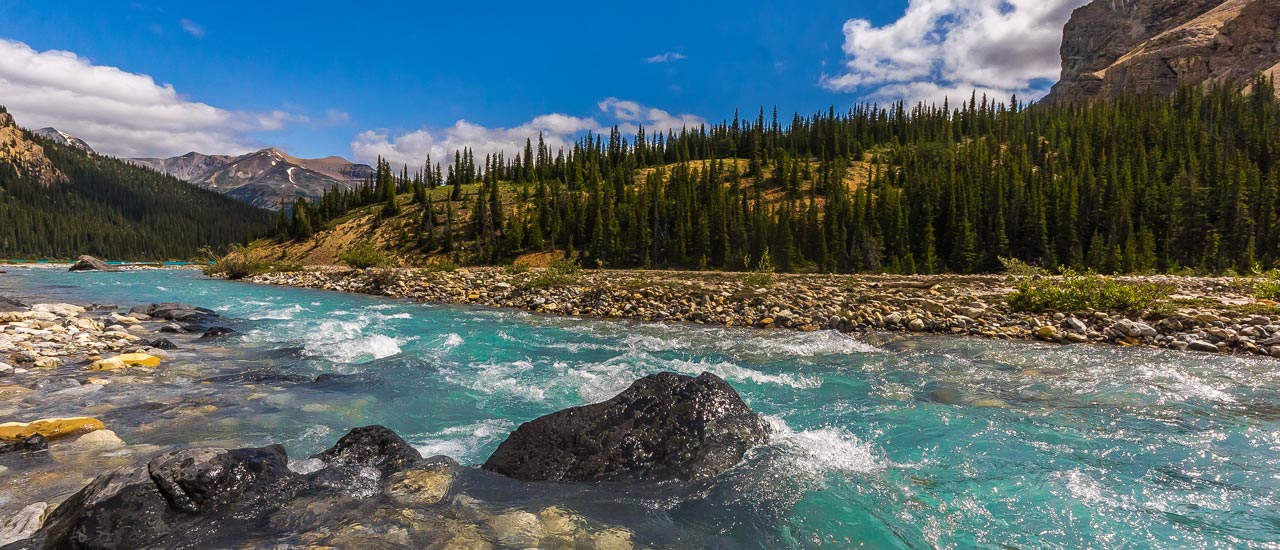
[332, 117]
[665, 57]
[192, 28]
[558, 131]
[652, 118]
[949, 48]
[118, 112]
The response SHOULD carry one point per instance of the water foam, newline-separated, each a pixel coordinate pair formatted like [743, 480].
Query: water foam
[828, 449]
[348, 342]
[464, 442]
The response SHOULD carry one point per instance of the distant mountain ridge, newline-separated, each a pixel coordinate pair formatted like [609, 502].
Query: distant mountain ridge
[1153, 47]
[263, 178]
[58, 200]
[63, 138]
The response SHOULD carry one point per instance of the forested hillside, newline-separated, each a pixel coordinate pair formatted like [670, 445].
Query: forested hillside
[1130, 185]
[108, 208]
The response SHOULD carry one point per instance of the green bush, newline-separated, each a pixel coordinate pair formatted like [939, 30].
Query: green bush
[516, 269]
[1268, 285]
[1078, 292]
[561, 272]
[364, 256]
[1019, 268]
[762, 275]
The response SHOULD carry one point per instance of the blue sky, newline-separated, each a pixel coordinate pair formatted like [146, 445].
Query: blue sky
[322, 78]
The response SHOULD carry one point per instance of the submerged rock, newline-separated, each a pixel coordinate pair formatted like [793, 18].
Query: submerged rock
[664, 426]
[160, 343]
[35, 442]
[89, 263]
[215, 332]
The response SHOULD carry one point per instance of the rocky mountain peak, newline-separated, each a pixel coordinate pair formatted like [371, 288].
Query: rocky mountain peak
[1111, 47]
[265, 178]
[58, 136]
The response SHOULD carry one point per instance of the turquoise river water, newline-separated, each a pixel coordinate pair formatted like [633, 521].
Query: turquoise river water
[1035, 446]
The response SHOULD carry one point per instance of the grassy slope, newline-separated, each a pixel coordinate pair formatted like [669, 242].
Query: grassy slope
[397, 236]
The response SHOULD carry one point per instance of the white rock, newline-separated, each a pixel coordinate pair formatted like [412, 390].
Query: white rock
[25, 523]
[99, 439]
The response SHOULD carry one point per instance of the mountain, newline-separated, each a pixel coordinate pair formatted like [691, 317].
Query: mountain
[59, 201]
[63, 138]
[262, 178]
[187, 167]
[1155, 46]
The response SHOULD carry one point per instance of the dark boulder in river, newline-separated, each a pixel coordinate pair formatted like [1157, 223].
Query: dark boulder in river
[217, 332]
[89, 263]
[193, 497]
[174, 311]
[665, 426]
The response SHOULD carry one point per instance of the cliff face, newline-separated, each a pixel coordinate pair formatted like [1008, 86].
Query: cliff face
[25, 156]
[1155, 46]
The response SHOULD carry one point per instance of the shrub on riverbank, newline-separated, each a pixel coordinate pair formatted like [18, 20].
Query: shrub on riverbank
[364, 256]
[1268, 285]
[240, 263]
[1078, 292]
[561, 272]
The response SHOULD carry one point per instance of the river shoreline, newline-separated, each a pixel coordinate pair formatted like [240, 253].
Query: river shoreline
[1214, 315]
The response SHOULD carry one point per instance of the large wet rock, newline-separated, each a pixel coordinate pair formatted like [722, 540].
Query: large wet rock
[174, 311]
[374, 446]
[193, 497]
[664, 426]
[89, 263]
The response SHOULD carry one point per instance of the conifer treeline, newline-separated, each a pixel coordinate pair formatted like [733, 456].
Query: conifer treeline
[112, 209]
[1131, 185]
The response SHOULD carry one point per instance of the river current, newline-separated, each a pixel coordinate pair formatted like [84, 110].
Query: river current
[880, 440]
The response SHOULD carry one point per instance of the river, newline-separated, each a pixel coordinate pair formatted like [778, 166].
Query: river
[880, 441]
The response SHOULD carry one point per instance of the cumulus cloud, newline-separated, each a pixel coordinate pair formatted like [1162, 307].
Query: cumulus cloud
[949, 48]
[557, 130]
[118, 112]
[192, 28]
[665, 57]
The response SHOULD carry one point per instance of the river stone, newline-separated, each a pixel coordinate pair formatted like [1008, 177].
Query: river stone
[1201, 345]
[89, 263]
[160, 343]
[23, 524]
[36, 442]
[664, 426]
[423, 484]
[1074, 325]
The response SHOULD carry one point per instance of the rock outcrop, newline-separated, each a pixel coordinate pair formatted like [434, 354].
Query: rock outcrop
[665, 426]
[89, 263]
[26, 156]
[1111, 47]
[181, 498]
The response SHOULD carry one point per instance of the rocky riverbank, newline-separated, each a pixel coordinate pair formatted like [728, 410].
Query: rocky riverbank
[1215, 315]
[374, 490]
